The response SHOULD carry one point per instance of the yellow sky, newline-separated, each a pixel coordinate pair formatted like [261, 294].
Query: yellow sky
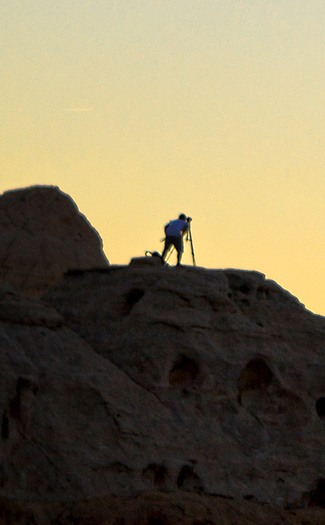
[143, 109]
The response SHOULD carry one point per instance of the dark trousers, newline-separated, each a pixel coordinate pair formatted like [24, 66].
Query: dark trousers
[172, 240]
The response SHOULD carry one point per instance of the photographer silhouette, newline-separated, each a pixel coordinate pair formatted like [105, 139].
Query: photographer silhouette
[174, 232]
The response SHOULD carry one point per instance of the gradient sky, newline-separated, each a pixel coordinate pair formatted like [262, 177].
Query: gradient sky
[143, 109]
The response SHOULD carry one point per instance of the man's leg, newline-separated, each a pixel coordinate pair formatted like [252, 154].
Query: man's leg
[168, 244]
[179, 245]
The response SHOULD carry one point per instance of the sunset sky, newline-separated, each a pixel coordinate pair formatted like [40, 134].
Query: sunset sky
[144, 109]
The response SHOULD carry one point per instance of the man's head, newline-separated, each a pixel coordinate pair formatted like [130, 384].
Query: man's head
[182, 217]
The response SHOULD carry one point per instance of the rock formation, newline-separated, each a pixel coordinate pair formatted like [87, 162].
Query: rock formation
[42, 235]
[153, 395]
[161, 395]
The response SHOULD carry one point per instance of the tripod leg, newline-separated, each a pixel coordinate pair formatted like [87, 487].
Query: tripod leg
[171, 251]
[192, 247]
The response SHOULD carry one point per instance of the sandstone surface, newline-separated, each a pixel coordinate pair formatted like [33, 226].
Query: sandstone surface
[42, 235]
[158, 396]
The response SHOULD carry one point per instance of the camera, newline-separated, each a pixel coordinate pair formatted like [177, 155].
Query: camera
[189, 219]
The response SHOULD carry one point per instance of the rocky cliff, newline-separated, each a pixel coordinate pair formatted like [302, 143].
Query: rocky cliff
[155, 395]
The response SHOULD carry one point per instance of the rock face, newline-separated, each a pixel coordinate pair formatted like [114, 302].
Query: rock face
[158, 395]
[42, 235]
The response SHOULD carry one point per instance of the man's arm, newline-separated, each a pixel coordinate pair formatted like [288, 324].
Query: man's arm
[185, 228]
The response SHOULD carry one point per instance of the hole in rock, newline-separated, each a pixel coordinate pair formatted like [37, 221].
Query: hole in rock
[188, 480]
[248, 497]
[132, 298]
[158, 474]
[255, 376]
[244, 289]
[184, 372]
[318, 496]
[320, 406]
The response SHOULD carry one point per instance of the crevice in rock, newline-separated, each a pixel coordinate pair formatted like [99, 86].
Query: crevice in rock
[157, 475]
[169, 324]
[189, 481]
[320, 407]
[22, 385]
[160, 476]
[318, 495]
[131, 299]
[183, 373]
[144, 388]
[245, 289]
[216, 495]
[5, 427]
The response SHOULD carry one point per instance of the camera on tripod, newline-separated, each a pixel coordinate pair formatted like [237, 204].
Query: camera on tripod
[189, 219]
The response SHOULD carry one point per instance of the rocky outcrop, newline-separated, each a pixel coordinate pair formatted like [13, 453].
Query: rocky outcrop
[160, 395]
[42, 235]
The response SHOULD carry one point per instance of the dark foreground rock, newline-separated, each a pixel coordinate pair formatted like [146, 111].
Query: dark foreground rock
[159, 395]
[42, 235]
[155, 508]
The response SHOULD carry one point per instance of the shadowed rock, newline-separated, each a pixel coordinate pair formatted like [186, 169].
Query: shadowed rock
[156, 395]
[42, 235]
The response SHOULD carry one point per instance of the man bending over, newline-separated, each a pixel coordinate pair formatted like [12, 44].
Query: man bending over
[174, 232]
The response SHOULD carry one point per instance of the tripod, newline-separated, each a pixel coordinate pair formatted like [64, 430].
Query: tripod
[189, 238]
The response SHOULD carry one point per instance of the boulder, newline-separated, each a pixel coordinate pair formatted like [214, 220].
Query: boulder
[42, 235]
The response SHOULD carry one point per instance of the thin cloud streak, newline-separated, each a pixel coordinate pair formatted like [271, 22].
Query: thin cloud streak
[79, 110]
